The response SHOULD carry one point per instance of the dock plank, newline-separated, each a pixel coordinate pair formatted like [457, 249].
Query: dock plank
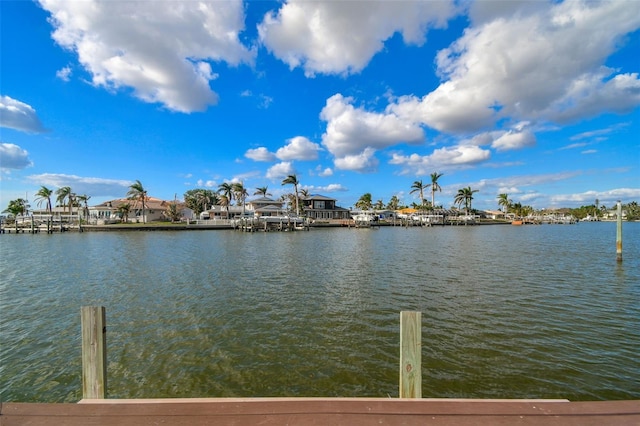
[322, 411]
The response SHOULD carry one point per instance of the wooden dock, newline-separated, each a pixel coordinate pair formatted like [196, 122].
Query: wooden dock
[322, 411]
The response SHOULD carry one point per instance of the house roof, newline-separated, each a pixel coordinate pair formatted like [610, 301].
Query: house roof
[318, 197]
[262, 200]
[269, 208]
[150, 203]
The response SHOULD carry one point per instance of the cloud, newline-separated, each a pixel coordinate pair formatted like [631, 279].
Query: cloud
[264, 101]
[353, 134]
[163, 53]
[280, 171]
[298, 148]
[96, 187]
[336, 37]
[599, 133]
[591, 95]
[514, 140]
[64, 74]
[326, 172]
[206, 183]
[334, 187]
[536, 63]
[260, 154]
[12, 157]
[574, 145]
[608, 197]
[446, 158]
[363, 162]
[19, 116]
[531, 180]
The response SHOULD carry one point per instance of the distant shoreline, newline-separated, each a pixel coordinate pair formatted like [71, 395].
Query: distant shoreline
[155, 227]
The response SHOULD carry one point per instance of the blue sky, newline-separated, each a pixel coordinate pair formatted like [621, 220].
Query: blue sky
[537, 99]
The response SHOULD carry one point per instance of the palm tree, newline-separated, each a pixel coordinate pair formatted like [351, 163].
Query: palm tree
[203, 199]
[123, 210]
[17, 207]
[364, 203]
[225, 202]
[138, 193]
[84, 199]
[64, 194]
[262, 191]
[505, 202]
[226, 190]
[434, 187]
[393, 203]
[465, 195]
[419, 187]
[293, 180]
[459, 198]
[517, 210]
[378, 205]
[240, 192]
[44, 194]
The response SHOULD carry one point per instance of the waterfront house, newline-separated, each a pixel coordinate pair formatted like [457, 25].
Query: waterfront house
[265, 206]
[223, 212]
[320, 207]
[108, 212]
[262, 206]
[58, 214]
[493, 214]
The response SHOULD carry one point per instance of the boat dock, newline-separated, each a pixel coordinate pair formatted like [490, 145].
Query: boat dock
[322, 411]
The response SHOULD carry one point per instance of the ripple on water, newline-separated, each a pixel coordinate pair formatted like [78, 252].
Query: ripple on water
[508, 312]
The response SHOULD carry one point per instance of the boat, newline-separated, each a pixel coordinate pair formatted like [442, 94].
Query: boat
[365, 219]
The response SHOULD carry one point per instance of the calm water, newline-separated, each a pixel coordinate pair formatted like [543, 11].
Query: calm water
[507, 312]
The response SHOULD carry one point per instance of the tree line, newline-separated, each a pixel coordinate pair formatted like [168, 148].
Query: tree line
[199, 200]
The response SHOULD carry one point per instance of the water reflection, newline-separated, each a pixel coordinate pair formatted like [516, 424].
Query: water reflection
[508, 312]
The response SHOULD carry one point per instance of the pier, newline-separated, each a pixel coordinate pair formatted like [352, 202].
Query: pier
[409, 409]
[322, 411]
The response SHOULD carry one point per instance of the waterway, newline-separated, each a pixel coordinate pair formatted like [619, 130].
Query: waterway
[536, 311]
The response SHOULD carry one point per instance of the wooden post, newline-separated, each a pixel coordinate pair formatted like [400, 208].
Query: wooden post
[94, 352]
[619, 234]
[410, 354]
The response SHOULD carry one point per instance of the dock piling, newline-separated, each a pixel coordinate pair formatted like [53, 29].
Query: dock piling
[94, 352]
[410, 354]
[619, 233]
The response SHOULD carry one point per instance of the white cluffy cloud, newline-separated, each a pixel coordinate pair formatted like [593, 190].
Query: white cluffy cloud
[19, 116]
[467, 152]
[260, 154]
[353, 135]
[12, 157]
[545, 64]
[341, 37]
[280, 170]
[297, 148]
[96, 187]
[445, 158]
[160, 50]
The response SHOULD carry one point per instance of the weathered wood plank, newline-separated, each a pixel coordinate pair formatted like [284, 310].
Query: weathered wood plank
[94, 351]
[410, 354]
[321, 411]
